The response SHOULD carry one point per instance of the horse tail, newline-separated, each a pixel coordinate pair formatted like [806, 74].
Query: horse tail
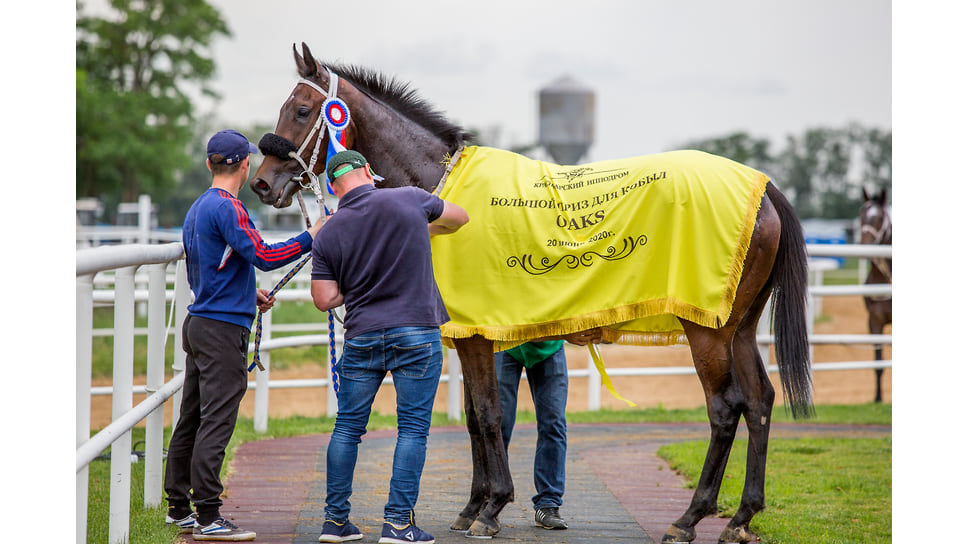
[790, 309]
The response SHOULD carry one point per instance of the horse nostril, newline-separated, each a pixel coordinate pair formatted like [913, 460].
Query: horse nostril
[261, 186]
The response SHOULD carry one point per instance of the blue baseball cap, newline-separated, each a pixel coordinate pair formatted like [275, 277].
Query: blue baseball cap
[231, 146]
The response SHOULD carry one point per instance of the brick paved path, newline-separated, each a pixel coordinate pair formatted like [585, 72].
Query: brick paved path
[617, 490]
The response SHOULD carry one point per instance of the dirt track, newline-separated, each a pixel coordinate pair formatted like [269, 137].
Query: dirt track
[840, 315]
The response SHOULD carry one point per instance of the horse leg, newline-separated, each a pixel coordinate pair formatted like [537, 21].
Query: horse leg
[492, 487]
[876, 326]
[758, 397]
[479, 488]
[712, 360]
[735, 382]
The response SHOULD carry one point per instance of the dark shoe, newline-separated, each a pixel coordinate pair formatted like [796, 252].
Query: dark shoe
[549, 518]
[339, 532]
[407, 534]
[185, 523]
[223, 530]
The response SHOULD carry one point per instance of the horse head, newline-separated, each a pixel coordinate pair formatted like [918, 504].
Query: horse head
[298, 145]
[404, 139]
[875, 219]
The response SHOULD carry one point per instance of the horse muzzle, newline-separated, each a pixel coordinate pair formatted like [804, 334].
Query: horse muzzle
[277, 181]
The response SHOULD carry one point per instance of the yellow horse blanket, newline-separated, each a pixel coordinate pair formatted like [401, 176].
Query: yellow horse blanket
[629, 245]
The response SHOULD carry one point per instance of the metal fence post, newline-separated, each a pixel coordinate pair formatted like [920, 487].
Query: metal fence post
[261, 416]
[183, 297]
[144, 219]
[84, 324]
[454, 386]
[120, 504]
[594, 385]
[764, 328]
[155, 379]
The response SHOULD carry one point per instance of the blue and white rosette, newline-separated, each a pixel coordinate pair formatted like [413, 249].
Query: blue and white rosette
[336, 115]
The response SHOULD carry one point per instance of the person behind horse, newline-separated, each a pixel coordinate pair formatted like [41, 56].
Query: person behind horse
[547, 369]
[221, 248]
[373, 255]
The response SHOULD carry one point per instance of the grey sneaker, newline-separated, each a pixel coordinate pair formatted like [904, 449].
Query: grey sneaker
[223, 530]
[185, 523]
[549, 518]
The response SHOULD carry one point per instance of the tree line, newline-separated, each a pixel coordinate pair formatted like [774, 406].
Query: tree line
[139, 132]
[821, 171]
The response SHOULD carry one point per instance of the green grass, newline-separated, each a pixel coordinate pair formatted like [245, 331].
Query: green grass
[817, 489]
[850, 478]
[146, 524]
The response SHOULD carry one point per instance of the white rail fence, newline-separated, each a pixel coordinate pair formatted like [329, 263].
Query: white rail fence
[140, 274]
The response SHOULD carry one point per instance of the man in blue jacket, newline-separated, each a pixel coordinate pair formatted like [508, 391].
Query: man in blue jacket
[221, 248]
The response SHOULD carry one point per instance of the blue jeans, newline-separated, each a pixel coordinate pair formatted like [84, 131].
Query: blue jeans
[412, 355]
[548, 381]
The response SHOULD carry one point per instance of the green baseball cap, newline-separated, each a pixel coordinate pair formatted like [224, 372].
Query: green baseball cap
[352, 159]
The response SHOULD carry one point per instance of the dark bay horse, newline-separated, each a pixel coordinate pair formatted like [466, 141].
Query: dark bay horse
[410, 143]
[875, 228]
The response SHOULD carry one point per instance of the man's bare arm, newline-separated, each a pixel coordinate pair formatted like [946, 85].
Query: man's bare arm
[452, 218]
[326, 295]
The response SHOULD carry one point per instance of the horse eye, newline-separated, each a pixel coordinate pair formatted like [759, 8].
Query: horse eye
[303, 111]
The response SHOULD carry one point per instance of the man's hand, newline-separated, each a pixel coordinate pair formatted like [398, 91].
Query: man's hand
[582, 338]
[264, 300]
[316, 226]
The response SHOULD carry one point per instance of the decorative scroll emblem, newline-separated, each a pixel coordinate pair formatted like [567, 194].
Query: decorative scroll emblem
[586, 259]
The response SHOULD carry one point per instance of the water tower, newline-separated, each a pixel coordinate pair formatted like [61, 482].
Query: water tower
[566, 119]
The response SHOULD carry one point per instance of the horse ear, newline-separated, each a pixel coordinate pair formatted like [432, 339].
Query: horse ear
[882, 197]
[306, 64]
[866, 195]
[311, 63]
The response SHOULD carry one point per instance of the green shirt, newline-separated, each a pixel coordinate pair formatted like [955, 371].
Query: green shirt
[532, 353]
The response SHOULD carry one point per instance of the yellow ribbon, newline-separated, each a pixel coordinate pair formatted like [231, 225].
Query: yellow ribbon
[597, 357]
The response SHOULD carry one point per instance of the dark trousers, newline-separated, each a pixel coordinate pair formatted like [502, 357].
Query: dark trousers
[215, 381]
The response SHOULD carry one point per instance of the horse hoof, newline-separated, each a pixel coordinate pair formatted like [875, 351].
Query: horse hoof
[480, 529]
[462, 524]
[678, 535]
[736, 535]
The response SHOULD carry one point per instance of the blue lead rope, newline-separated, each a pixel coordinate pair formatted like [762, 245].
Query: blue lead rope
[332, 353]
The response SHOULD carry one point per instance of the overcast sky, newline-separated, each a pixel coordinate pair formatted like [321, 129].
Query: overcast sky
[664, 73]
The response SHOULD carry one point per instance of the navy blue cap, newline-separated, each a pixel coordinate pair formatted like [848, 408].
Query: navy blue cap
[231, 145]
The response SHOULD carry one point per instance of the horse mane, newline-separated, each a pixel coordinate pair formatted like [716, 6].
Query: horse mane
[399, 96]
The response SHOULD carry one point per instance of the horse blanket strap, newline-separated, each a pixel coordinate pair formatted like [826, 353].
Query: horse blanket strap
[451, 160]
[629, 245]
[600, 365]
